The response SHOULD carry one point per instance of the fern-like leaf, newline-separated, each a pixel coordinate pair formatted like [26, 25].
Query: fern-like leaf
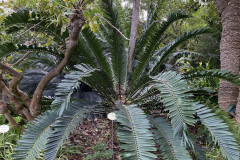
[172, 148]
[176, 100]
[116, 45]
[167, 49]
[35, 137]
[65, 89]
[9, 48]
[155, 37]
[133, 133]
[65, 125]
[39, 22]
[215, 73]
[219, 131]
[94, 48]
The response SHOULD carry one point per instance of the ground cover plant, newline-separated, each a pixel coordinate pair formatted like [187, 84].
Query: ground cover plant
[127, 85]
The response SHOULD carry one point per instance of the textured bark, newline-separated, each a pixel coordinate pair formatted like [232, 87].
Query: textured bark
[134, 33]
[13, 99]
[4, 110]
[77, 20]
[13, 85]
[229, 10]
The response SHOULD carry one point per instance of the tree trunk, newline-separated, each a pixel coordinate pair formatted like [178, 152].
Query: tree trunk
[134, 33]
[77, 20]
[229, 10]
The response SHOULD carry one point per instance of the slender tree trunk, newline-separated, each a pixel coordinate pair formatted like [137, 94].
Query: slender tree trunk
[77, 20]
[229, 10]
[134, 33]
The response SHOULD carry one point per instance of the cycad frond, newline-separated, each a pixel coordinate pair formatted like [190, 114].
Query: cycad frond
[138, 87]
[186, 53]
[172, 148]
[164, 52]
[174, 97]
[65, 89]
[102, 84]
[152, 38]
[9, 48]
[93, 46]
[118, 55]
[149, 28]
[35, 137]
[219, 131]
[203, 91]
[211, 74]
[65, 125]
[37, 21]
[133, 133]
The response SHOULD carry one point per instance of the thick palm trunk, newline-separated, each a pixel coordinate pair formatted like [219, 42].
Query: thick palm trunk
[229, 10]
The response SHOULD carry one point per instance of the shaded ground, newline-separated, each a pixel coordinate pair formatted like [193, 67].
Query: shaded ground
[91, 140]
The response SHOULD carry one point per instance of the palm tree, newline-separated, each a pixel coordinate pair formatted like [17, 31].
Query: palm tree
[103, 65]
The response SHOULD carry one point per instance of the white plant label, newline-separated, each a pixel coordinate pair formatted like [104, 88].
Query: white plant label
[4, 128]
[112, 116]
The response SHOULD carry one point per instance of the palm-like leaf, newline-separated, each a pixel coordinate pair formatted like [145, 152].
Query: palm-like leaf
[167, 49]
[67, 86]
[18, 20]
[35, 137]
[93, 46]
[155, 37]
[215, 73]
[174, 97]
[219, 132]
[133, 133]
[9, 48]
[186, 53]
[116, 45]
[171, 147]
[65, 125]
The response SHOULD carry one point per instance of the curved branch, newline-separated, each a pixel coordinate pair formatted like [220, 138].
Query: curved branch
[13, 99]
[77, 20]
[21, 59]
[4, 110]
[13, 85]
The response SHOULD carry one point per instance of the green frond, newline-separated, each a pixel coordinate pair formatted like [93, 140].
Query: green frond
[39, 61]
[151, 39]
[9, 48]
[164, 52]
[66, 87]
[203, 91]
[37, 21]
[6, 49]
[33, 141]
[116, 45]
[125, 16]
[172, 148]
[65, 125]
[150, 27]
[214, 73]
[176, 100]
[185, 53]
[138, 87]
[133, 133]
[102, 84]
[219, 131]
[82, 55]
[93, 46]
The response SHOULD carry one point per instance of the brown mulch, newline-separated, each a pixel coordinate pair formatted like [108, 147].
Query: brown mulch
[89, 134]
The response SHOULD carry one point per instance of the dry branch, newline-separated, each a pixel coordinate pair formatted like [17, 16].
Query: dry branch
[77, 20]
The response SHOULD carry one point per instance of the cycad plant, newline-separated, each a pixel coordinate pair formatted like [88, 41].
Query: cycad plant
[102, 63]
